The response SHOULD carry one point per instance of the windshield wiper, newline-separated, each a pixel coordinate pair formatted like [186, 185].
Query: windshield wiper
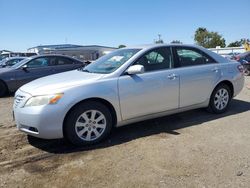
[85, 70]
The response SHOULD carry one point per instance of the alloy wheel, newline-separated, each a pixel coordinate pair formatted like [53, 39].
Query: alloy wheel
[90, 125]
[221, 99]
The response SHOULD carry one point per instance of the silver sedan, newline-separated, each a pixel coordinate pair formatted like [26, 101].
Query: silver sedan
[126, 86]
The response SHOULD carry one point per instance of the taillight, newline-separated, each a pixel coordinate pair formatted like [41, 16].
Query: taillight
[237, 58]
[240, 68]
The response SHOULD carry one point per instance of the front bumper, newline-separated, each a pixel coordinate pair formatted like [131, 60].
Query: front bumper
[40, 121]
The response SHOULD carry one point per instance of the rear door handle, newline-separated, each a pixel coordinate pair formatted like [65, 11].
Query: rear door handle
[216, 69]
[172, 76]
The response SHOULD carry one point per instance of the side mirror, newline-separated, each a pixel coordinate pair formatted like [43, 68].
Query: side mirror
[25, 67]
[135, 69]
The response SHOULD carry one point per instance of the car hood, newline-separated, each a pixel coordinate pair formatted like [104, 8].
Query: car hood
[59, 82]
[5, 69]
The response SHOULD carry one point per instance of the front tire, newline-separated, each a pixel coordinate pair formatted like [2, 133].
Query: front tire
[3, 89]
[220, 99]
[88, 123]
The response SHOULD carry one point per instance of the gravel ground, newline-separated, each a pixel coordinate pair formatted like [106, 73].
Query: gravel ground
[191, 149]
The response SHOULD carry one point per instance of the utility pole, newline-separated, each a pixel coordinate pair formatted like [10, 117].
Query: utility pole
[159, 35]
[159, 39]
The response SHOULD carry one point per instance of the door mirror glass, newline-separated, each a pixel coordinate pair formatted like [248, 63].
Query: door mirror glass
[135, 69]
[25, 67]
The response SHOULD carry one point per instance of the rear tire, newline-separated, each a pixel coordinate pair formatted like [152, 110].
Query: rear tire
[88, 123]
[220, 99]
[3, 89]
[246, 72]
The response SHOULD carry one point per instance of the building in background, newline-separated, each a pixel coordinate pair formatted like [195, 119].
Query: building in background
[85, 53]
[4, 51]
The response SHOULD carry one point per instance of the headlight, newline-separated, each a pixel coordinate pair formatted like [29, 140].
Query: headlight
[43, 100]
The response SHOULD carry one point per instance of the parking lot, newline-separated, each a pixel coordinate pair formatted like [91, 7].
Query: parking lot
[191, 149]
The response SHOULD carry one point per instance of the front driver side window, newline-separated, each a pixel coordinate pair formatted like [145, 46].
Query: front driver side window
[12, 62]
[38, 62]
[157, 59]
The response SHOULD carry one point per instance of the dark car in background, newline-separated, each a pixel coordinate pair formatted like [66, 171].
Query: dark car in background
[11, 78]
[232, 55]
[9, 62]
[244, 59]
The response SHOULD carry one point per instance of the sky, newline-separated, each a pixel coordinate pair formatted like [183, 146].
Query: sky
[28, 23]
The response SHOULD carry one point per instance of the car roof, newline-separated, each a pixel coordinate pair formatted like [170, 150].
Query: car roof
[17, 57]
[149, 46]
[54, 55]
[50, 55]
[244, 54]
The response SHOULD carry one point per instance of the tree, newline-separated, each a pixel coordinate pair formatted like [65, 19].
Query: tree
[159, 41]
[238, 43]
[176, 42]
[208, 39]
[121, 46]
[235, 44]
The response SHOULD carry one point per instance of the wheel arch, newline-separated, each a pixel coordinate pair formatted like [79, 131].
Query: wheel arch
[2, 81]
[229, 84]
[100, 100]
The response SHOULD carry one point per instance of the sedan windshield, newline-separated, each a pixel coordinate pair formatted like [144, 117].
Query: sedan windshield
[3, 62]
[111, 62]
[3, 56]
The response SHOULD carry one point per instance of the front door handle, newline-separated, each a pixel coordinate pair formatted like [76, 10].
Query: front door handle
[172, 76]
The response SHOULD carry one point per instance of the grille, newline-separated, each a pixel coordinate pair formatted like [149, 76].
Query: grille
[18, 100]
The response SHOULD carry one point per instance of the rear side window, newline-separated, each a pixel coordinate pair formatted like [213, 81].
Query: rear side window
[64, 61]
[192, 57]
[157, 59]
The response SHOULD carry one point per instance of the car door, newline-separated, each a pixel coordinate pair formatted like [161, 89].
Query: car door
[64, 64]
[35, 68]
[198, 74]
[156, 90]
